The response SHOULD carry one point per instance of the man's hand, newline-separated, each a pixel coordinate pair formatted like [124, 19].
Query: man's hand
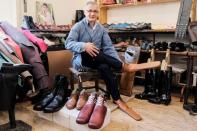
[91, 49]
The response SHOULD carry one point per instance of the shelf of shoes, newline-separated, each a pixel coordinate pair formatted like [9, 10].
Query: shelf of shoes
[184, 53]
[144, 31]
[134, 3]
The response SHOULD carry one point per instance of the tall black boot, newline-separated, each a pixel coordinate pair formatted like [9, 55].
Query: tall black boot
[148, 89]
[159, 82]
[193, 110]
[166, 96]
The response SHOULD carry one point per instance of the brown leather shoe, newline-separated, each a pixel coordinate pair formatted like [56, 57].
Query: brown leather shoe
[85, 113]
[71, 103]
[98, 116]
[81, 101]
[128, 110]
[142, 66]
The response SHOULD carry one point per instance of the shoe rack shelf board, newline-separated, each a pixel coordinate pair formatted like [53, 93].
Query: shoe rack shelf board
[104, 8]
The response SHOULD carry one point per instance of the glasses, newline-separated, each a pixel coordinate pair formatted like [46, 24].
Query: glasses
[92, 11]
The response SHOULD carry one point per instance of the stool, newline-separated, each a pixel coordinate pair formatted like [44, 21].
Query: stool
[90, 75]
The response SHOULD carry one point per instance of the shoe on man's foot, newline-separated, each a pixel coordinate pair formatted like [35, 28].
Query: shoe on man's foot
[122, 106]
[142, 66]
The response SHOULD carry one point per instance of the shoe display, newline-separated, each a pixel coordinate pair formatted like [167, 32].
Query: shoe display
[86, 112]
[61, 97]
[98, 115]
[81, 100]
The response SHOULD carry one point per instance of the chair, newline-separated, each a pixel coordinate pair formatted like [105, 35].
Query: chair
[8, 88]
[90, 75]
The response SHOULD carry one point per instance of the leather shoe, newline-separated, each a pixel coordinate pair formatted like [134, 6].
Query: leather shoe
[98, 116]
[71, 103]
[85, 113]
[82, 100]
[122, 106]
[61, 97]
[49, 97]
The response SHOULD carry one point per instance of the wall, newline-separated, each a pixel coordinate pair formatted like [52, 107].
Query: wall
[64, 10]
[159, 15]
[8, 11]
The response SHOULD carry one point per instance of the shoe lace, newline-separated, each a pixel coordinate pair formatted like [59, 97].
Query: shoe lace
[100, 101]
[91, 99]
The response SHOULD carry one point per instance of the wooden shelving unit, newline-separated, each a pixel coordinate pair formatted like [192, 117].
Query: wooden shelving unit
[104, 8]
[137, 4]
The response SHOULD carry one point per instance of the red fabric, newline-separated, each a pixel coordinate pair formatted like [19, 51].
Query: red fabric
[35, 40]
[16, 48]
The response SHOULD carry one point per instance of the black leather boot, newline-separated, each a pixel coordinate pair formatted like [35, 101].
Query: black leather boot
[149, 87]
[49, 96]
[61, 97]
[159, 82]
[166, 97]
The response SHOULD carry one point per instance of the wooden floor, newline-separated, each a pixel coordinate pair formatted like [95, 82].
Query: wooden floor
[155, 118]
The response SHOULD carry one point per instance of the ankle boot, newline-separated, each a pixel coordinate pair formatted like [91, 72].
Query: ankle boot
[60, 98]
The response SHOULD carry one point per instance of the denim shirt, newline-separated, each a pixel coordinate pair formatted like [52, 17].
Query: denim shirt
[80, 34]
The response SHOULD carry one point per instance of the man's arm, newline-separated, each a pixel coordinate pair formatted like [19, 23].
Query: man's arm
[108, 47]
[72, 43]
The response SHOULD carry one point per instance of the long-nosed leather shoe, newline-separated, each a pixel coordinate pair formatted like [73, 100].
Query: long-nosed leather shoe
[85, 113]
[71, 103]
[81, 101]
[98, 116]
[61, 97]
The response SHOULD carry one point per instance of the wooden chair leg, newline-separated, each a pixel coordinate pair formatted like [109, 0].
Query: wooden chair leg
[182, 93]
[72, 81]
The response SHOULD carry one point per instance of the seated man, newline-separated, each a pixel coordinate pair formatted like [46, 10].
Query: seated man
[93, 48]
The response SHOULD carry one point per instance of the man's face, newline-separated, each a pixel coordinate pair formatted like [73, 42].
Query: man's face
[91, 12]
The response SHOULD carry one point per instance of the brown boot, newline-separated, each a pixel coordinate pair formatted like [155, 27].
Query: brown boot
[122, 106]
[71, 103]
[137, 67]
[82, 100]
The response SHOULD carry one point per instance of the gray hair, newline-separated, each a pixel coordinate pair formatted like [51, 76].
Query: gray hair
[90, 2]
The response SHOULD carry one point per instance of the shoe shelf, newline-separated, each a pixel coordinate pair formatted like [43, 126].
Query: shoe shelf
[184, 53]
[143, 31]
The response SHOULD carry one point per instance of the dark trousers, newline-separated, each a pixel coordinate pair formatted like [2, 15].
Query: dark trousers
[104, 64]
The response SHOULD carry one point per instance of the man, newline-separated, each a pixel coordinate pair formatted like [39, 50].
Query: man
[93, 48]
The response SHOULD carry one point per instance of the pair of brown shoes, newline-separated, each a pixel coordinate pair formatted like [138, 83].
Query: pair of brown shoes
[77, 100]
[93, 112]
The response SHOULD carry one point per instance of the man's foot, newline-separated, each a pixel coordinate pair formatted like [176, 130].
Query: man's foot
[122, 106]
[137, 67]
